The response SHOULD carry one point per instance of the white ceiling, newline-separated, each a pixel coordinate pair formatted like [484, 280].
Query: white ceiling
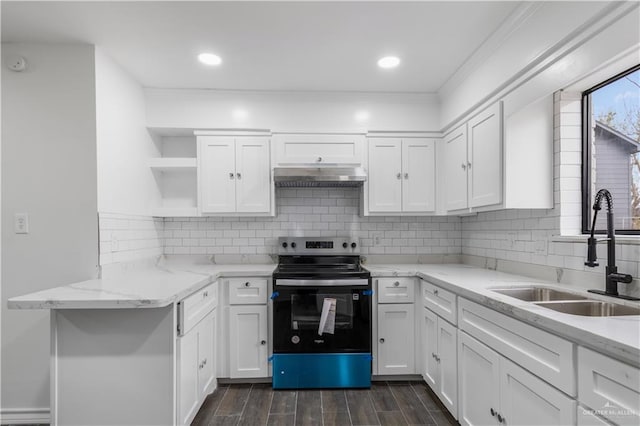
[306, 46]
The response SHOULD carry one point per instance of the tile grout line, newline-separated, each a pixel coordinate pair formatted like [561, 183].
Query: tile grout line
[295, 410]
[221, 398]
[423, 404]
[397, 402]
[273, 394]
[373, 406]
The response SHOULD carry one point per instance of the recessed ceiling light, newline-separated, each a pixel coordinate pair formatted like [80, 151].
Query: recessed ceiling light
[240, 114]
[209, 59]
[389, 62]
[361, 116]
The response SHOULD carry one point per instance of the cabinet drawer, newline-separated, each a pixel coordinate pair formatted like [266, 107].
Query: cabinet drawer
[545, 355]
[247, 291]
[440, 301]
[396, 290]
[195, 307]
[609, 387]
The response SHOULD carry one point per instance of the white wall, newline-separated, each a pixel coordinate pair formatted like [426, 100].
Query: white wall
[311, 112]
[48, 171]
[126, 185]
[549, 46]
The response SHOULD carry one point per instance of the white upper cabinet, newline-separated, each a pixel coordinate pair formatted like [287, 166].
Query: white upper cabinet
[401, 175]
[473, 161]
[385, 175]
[295, 149]
[253, 175]
[455, 148]
[484, 157]
[234, 174]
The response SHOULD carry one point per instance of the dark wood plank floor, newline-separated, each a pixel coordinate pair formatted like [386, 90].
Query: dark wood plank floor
[386, 403]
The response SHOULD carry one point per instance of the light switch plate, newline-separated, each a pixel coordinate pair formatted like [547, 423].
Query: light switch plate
[21, 223]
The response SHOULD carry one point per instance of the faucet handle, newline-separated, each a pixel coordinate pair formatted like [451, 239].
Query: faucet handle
[591, 253]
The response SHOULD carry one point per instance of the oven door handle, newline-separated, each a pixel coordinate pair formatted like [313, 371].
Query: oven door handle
[323, 283]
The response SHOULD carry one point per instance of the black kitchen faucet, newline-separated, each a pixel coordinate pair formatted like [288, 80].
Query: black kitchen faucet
[612, 277]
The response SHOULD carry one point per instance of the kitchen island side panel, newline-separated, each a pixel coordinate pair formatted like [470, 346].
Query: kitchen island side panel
[113, 366]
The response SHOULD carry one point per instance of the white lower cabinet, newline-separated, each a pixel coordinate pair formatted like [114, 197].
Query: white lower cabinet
[440, 361]
[196, 367]
[608, 387]
[248, 349]
[396, 340]
[495, 391]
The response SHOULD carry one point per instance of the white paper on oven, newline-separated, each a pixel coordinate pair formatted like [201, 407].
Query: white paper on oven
[327, 317]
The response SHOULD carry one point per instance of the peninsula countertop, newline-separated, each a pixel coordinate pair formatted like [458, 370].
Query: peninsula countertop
[154, 287]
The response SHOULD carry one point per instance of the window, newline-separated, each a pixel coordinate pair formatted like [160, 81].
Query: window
[611, 150]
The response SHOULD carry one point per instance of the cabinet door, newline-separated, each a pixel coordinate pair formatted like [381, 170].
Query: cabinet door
[188, 389]
[206, 351]
[248, 341]
[479, 381]
[485, 157]
[455, 168]
[396, 339]
[216, 174]
[418, 175]
[448, 363]
[431, 371]
[527, 400]
[385, 175]
[253, 175]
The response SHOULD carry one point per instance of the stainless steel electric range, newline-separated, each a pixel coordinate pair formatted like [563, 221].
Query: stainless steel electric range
[321, 315]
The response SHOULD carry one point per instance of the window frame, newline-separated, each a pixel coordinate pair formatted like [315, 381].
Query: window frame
[587, 197]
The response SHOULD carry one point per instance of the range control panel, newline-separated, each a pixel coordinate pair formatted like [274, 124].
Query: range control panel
[318, 245]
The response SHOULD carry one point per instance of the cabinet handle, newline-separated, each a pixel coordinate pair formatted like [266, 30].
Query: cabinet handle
[319, 159]
[437, 358]
[433, 355]
[205, 294]
[399, 175]
[263, 342]
[468, 165]
[200, 366]
[493, 413]
[396, 284]
[381, 340]
[247, 284]
[239, 175]
[500, 418]
[435, 292]
[204, 362]
[406, 175]
[231, 176]
[464, 166]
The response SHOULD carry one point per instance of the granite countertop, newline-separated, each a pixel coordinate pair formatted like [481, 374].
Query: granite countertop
[154, 287]
[618, 336]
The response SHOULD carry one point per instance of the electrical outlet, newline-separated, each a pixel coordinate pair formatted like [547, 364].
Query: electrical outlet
[21, 223]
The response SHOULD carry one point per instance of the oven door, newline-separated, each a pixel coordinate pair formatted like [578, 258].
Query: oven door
[298, 313]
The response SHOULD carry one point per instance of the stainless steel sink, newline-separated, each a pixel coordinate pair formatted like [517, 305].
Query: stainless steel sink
[537, 294]
[591, 308]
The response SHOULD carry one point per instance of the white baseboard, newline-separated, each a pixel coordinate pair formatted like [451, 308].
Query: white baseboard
[20, 416]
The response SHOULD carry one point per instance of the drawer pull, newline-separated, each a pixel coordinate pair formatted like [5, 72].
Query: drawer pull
[396, 284]
[247, 284]
[205, 294]
[435, 292]
[381, 340]
[263, 342]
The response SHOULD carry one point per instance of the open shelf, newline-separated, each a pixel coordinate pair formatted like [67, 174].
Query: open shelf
[168, 164]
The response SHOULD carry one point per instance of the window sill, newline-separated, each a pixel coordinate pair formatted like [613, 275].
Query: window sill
[630, 240]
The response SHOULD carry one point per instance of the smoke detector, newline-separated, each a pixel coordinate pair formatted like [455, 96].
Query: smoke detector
[16, 63]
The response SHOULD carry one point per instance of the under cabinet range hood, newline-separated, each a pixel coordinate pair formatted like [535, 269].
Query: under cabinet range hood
[319, 176]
